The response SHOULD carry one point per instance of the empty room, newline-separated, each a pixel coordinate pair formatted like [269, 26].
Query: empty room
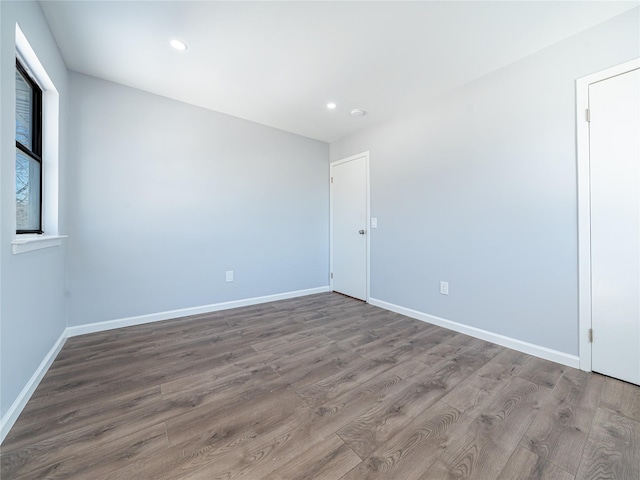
[320, 240]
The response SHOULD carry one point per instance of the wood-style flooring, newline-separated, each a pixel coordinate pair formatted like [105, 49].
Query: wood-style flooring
[319, 387]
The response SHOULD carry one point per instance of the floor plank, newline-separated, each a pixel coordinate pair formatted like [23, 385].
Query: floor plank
[193, 448]
[331, 458]
[622, 397]
[480, 388]
[613, 448]
[385, 419]
[483, 448]
[542, 372]
[97, 462]
[559, 433]
[339, 383]
[412, 450]
[526, 465]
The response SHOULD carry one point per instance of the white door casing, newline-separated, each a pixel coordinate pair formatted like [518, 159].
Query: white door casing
[609, 221]
[349, 226]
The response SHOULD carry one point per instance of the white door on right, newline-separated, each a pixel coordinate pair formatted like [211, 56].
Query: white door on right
[614, 152]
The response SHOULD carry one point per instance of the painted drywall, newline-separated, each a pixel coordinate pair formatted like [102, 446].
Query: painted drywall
[33, 307]
[166, 197]
[479, 189]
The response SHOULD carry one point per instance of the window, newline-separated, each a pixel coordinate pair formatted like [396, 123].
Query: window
[37, 111]
[28, 153]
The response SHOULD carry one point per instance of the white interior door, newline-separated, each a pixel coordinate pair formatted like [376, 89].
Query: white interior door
[349, 226]
[614, 147]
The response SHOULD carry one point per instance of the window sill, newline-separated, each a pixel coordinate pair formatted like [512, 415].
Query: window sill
[35, 242]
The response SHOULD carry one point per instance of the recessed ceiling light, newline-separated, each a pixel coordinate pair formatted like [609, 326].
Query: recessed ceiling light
[178, 44]
[331, 105]
[356, 112]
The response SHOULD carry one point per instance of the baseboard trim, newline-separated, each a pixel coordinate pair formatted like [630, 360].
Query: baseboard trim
[21, 401]
[514, 344]
[184, 312]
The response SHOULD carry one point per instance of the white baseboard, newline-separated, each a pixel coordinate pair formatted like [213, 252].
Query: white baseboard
[21, 401]
[184, 312]
[519, 345]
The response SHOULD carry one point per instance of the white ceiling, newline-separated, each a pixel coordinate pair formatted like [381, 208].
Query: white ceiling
[279, 63]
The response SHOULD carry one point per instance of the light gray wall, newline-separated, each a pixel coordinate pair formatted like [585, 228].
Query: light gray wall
[165, 197]
[479, 189]
[33, 310]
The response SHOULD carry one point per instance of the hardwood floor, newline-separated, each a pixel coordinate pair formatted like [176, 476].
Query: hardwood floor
[322, 387]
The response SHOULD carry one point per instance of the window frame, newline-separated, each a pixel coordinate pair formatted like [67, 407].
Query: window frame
[36, 152]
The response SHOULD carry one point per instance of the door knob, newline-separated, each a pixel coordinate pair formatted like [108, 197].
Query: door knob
[361, 232]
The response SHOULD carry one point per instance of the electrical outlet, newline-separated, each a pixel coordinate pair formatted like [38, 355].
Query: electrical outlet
[444, 288]
[229, 276]
[374, 222]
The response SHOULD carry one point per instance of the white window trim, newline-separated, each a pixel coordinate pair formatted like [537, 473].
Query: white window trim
[28, 243]
[50, 144]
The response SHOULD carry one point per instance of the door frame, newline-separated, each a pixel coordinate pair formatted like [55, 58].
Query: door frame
[584, 205]
[368, 220]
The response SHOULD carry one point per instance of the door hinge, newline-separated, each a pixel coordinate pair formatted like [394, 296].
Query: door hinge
[331, 274]
[591, 335]
[588, 114]
[331, 179]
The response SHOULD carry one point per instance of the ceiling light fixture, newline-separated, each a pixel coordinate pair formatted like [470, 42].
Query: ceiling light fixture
[331, 105]
[357, 112]
[178, 45]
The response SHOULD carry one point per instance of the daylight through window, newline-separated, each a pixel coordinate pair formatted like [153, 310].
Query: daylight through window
[28, 153]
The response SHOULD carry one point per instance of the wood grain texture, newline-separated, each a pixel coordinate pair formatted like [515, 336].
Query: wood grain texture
[330, 458]
[479, 389]
[542, 372]
[622, 397]
[613, 448]
[407, 454]
[97, 462]
[526, 465]
[560, 432]
[385, 419]
[323, 387]
[483, 448]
